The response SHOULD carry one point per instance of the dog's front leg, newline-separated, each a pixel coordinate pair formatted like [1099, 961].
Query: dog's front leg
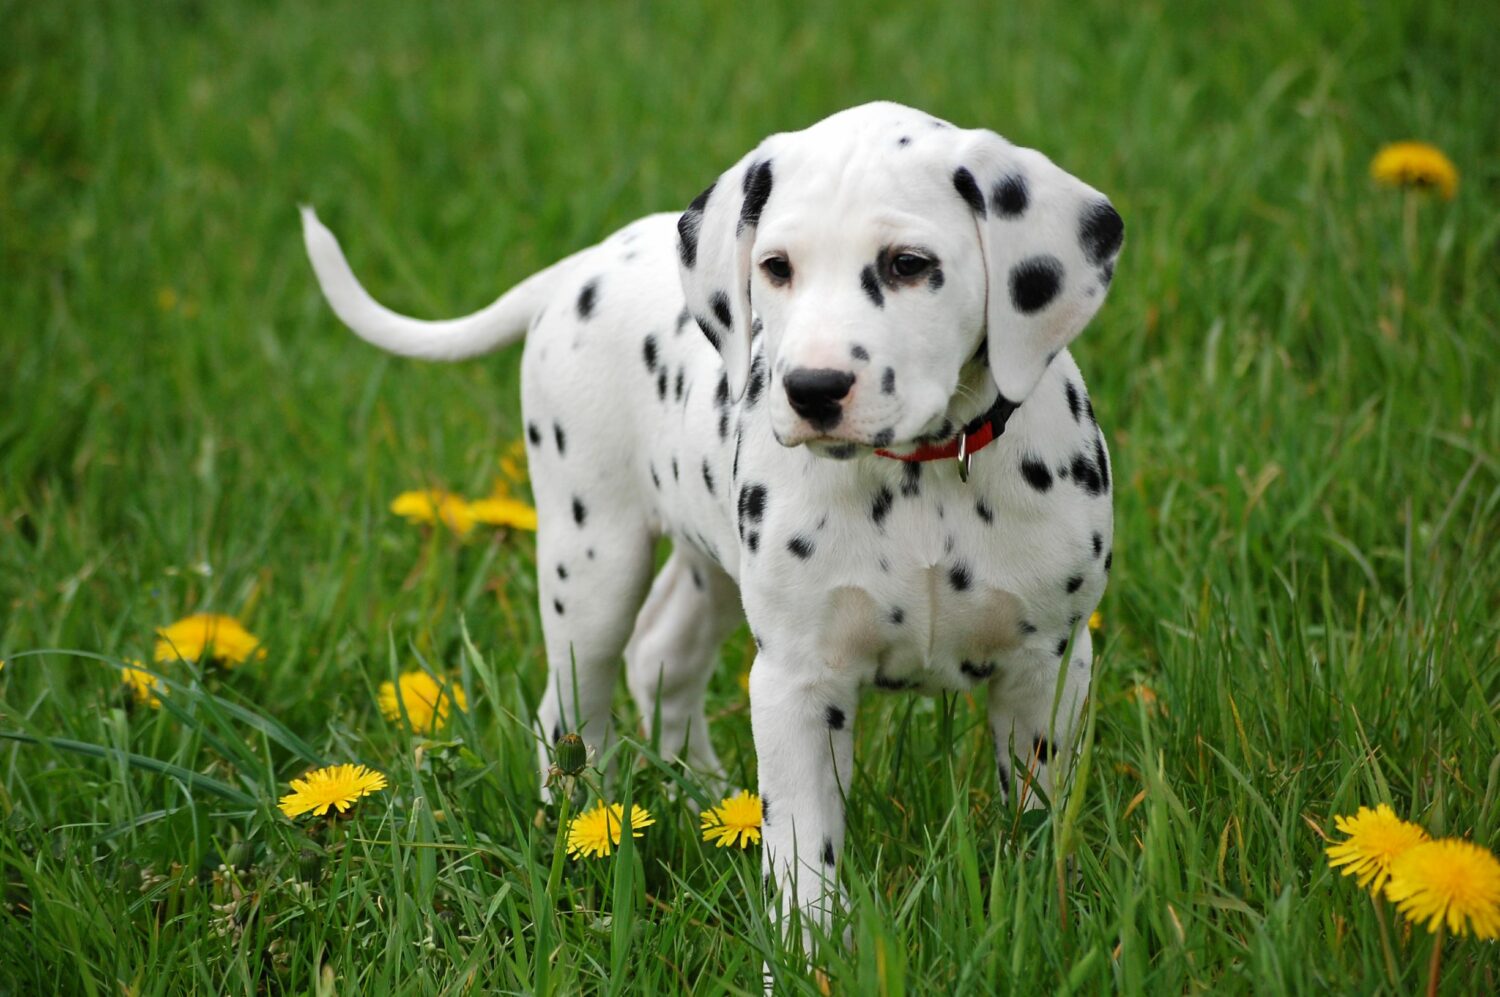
[802, 714]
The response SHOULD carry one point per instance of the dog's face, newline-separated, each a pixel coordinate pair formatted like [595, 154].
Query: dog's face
[885, 256]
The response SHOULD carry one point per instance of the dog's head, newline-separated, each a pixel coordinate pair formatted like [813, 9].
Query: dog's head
[887, 258]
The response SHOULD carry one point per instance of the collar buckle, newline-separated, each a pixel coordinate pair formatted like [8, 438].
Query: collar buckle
[964, 457]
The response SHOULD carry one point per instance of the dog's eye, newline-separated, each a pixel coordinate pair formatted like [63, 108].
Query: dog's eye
[909, 265]
[777, 268]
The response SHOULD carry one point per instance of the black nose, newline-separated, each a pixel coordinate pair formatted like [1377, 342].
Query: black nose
[815, 394]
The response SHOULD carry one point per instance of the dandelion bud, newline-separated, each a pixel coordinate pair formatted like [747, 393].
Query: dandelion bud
[572, 755]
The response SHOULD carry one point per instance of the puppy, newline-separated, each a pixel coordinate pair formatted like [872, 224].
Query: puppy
[838, 381]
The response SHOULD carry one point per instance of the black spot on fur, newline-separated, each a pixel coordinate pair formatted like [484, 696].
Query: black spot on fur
[697, 579]
[757, 382]
[1028, 627]
[1042, 747]
[1101, 460]
[675, 476]
[1010, 196]
[888, 684]
[872, 286]
[752, 505]
[724, 424]
[985, 512]
[1074, 584]
[753, 541]
[579, 512]
[533, 434]
[687, 228]
[898, 616]
[911, 479]
[1098, 543]
[765, 810]
[1034, 283]
[1086, 474]
[648, 350]
[721, 391]
[801, 547]
[720, 304]
[881, 505]
[959, 577]
[757, 189]
[557, 732]
[859, 352]
[1035, 472]
[828, 858]
[562, 571]
[560, 437]
[1101, 230]
[1074, 406]
[935, 279]
[977, 671]
[904, 140]
[842, 451]
[557, 605]
[708, 477]
[677, 385]
[661, 384]
[587, 298]
[884, 437]
[1062, 646]
[709, 332]
[1109, 561]
[888, 381]
[963, 182]
[835, 719]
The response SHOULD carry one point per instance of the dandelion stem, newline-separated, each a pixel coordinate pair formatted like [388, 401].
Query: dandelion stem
[1385, 943]
[559, 846]
[1435, 963]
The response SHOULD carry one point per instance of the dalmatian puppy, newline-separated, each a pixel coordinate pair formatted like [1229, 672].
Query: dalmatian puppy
[839, 382]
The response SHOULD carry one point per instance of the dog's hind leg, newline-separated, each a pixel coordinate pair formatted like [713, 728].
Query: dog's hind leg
[692, 608]
[592, 571]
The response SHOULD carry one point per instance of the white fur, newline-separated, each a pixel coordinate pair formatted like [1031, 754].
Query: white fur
[852, 569]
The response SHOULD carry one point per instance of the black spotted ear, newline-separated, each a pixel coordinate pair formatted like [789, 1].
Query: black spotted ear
[715, 235]
[1049, 243]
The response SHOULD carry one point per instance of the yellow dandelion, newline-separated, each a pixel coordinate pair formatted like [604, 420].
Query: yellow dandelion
[339, 786]
[512, 467]
[1376, 839]
[142, 686]
[1096, 621]
[208, 637]
[501, 510]
[1415, 164]
[1448, 881]
[435, 506]
[596, 832]
[166, 299]
[427, 702]
[739, 817]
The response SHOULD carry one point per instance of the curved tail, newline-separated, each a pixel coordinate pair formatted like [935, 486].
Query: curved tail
[500, 324]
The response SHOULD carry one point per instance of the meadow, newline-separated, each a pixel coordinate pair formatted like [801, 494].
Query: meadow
[1296, 370]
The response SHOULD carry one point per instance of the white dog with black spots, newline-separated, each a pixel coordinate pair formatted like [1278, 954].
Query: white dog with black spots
[839, 383]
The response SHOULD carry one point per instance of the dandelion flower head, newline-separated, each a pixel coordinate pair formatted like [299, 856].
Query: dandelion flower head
[339, 786]
[208, 637]
[1415, 164]
[596, 832]
[735, 820]
[1376, 838]
[434, 505]
[142, 686]
[1448, 881]
[427, 702]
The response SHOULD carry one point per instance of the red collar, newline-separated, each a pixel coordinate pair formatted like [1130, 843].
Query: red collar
[975, 437]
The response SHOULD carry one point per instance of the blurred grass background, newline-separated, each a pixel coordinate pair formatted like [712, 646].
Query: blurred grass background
[1296, 371]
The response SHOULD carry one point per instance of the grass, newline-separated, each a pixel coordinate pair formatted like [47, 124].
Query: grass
[1296, 371]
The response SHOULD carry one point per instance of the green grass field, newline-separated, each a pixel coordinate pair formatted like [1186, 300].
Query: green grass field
[1296, 370]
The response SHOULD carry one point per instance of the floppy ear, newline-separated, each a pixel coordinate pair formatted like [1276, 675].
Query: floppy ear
[715, 234]
[1049, 242]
